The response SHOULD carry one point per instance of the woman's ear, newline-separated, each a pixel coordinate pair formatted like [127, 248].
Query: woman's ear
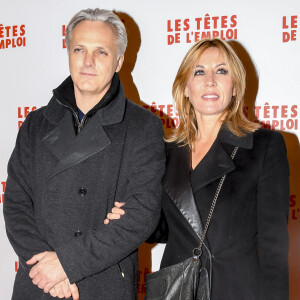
[186, 92]
[234, 92]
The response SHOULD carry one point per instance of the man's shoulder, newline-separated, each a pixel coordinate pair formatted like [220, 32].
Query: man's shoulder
[38, 112]
[142, 124]
[34, 117]
[37, 118]
[140, 114]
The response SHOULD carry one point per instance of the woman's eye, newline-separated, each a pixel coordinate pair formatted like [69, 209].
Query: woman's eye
[222, 71]
[198, 72]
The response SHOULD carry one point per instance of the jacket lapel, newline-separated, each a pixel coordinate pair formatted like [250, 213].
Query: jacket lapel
[214, 165]
[60, 138]
[71, 149]
[176, 182]
[91, 140]
[218, 162]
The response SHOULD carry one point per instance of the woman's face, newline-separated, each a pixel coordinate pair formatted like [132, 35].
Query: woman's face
[210, 87]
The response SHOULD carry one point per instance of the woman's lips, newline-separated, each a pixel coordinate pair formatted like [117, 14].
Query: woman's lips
[212, 96]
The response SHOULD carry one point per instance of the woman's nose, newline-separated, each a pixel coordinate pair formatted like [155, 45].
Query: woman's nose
[210, 79]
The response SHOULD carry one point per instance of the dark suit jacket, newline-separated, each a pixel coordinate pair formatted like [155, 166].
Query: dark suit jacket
[247, 239]
[61, 185]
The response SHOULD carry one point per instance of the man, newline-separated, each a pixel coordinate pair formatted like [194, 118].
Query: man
[88, 148]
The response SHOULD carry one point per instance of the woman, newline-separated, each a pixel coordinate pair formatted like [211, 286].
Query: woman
[246, 246]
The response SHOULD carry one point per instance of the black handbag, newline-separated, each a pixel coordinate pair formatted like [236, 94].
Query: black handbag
[187, 280]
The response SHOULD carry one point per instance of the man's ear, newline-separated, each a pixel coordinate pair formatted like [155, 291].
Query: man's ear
[120, 62]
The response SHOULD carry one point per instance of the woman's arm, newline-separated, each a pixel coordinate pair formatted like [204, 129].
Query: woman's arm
[272, 219]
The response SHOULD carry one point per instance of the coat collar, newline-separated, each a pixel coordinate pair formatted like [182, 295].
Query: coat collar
[227, 137]
[65, 94]
[70, 148]
[218, 162]
[112, 113]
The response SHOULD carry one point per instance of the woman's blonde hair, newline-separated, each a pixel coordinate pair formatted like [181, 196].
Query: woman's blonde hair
[233, 116]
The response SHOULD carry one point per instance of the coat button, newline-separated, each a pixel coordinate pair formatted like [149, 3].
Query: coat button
[77, 233]
[82, 191]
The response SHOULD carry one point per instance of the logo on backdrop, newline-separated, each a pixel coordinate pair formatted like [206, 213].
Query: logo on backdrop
[289, 28]
[192, 30]
[63, 36]
[2, 189]
[12, 36]
[23, 113]
[277, 117]
[166, 112]
[294, 208]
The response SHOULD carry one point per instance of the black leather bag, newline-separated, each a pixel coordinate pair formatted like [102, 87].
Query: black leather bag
[187, 280]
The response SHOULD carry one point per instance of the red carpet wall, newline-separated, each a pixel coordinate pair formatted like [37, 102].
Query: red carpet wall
[265, 34]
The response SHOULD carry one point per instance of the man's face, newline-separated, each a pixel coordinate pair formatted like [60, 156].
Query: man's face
[93, 58]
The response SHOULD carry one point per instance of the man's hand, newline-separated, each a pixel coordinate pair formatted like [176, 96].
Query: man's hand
[47, 272]
[65, 290]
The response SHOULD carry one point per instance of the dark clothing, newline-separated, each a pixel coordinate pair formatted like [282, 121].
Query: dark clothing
[64, 94]
[80, 115]
[62, 184]
[247, 240]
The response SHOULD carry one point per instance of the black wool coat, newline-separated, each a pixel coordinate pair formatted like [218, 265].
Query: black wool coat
[61, 185]
[246, 250]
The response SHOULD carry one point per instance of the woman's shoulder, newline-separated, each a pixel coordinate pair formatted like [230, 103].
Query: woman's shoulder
[269, 141]
[268, 135]
[171, 145]
[174, 147]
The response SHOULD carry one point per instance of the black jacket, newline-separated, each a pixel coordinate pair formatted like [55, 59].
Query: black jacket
[61, 185]
[248, 236]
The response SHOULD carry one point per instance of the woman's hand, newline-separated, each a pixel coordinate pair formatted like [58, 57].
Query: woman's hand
[65, 290]
[116, 212]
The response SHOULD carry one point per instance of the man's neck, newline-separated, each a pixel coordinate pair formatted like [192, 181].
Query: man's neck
[85, 102]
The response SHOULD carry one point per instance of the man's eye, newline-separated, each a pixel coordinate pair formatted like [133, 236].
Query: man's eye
[222, 71]
[77, 50]
[101, 52]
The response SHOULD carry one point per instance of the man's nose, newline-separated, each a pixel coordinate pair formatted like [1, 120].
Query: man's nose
[89, 60]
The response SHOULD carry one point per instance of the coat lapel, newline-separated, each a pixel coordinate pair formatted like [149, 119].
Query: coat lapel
[91, 140]
[71, 149]
[218, 162]
[176, 182]
[214, 165]
[60, 138]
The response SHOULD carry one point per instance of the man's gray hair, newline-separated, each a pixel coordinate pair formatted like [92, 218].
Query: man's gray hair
[102, 15]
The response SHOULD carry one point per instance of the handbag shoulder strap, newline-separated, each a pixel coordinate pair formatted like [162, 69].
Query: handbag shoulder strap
[197, 251]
